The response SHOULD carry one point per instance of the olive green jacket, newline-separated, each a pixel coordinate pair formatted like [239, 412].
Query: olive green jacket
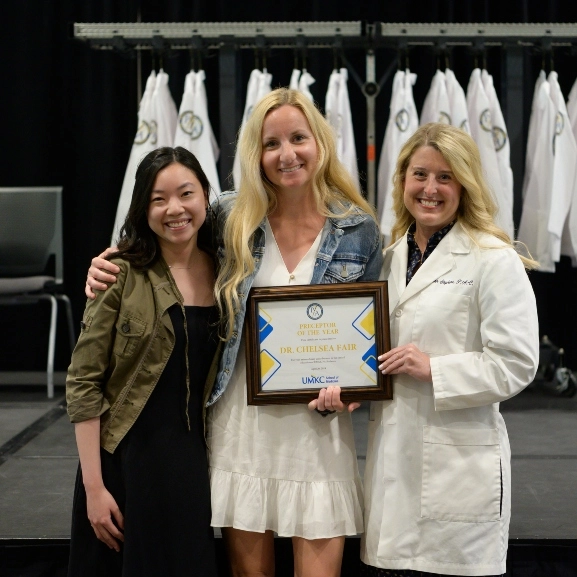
[126, 340]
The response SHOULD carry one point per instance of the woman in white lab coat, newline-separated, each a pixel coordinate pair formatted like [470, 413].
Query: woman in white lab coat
[464, 337]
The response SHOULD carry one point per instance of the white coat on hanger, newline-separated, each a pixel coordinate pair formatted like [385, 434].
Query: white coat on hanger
[331, 101]
[572, 112]
[347, 149]
[541, 235]
[338, 113]
[481, 125]
[144, 141]
[305, 81]
[294, 81]
[457, 102]
[164, 110]
[565, 171]
[251, 99]
[194, 131]
[503, 152]
[533, 135]
[436, 107]
[402, 123]
[572, 108]
[264, 82]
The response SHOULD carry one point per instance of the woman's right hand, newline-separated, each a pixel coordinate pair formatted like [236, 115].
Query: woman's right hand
[105, 517]
[100, 272]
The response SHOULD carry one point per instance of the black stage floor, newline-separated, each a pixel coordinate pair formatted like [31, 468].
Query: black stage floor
[38, 463]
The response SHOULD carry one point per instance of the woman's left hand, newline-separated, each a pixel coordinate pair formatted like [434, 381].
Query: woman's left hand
[406, 359]
[329, 399]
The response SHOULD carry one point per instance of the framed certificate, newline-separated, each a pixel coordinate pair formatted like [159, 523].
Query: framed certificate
[300, 339]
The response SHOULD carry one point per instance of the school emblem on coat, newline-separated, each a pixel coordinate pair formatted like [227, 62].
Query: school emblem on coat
[499, 138]
[485, 120]
[314, 311]
[559, 123]
[153, 132]
[191, 124]
[444, 118]
[142, 133]
[402, 120]
[559, 126]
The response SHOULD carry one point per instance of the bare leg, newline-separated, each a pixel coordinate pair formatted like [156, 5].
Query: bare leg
[318, 557]
[250, 554]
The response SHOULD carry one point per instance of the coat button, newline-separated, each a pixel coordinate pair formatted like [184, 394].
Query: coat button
[126, 328]
[398, 313]
[82, 325]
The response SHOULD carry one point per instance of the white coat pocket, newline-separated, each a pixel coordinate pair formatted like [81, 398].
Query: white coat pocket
[441, 322]
[461, 475]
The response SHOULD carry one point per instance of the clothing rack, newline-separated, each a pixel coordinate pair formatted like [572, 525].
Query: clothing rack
[230, 37]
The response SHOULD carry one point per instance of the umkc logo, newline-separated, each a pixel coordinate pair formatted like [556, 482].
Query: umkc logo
[313, 380]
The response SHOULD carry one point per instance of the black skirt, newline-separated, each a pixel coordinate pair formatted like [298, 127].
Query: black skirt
[158, 474]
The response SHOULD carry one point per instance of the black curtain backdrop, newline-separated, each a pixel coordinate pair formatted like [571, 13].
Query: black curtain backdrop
[69, 117]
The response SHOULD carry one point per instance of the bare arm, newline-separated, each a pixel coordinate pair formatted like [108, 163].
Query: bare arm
[103, 512]
[101, 271]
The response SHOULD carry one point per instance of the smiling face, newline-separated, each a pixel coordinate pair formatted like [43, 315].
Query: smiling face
[431, 191]
[177, 206]
[289, 151]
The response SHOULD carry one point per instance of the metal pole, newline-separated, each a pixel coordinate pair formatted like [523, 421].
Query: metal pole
[370, 90]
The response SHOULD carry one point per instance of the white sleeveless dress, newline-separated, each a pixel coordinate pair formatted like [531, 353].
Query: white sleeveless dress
[282, 468]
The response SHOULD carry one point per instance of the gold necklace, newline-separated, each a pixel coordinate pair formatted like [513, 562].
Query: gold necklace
[180, 267]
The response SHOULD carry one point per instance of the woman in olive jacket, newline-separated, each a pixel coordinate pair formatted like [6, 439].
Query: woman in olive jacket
[136, 387]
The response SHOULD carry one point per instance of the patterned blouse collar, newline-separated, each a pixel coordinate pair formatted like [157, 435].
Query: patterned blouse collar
[416, 259]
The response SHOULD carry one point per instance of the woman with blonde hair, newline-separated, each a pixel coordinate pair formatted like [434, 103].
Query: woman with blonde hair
[464, 337]
[297, 219]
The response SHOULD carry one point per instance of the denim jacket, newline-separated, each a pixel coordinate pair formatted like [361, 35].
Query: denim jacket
[350, 252]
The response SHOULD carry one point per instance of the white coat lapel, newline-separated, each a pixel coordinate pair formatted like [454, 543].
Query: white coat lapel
[440, 262]
[395, 269]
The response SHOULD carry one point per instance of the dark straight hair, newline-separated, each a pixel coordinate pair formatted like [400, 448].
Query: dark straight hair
[138, 244]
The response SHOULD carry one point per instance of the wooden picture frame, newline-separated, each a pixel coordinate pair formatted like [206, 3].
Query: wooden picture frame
[327, 334]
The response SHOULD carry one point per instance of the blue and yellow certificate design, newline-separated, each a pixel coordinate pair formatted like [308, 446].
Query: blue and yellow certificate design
[310, 344]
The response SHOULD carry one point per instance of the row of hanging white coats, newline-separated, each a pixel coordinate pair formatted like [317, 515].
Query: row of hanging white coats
[549, 218]
[159, 124]
[337, 110]
[478, 113]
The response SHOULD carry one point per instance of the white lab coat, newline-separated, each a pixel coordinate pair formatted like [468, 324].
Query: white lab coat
[164, 110]
[533, 135]
[547, 200]
[437, 480]
[565, 170]
[305, 81]
[402, 123]
[294, 81]
[194, 131]
[256, 89]
[503, 155]
[338, 114]
[481, 124]
[572, 112]
[144, 141]
[457, 102]
[436, 107]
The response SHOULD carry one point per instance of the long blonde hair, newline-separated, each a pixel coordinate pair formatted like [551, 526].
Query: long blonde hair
[477, 208]
[334, 191]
